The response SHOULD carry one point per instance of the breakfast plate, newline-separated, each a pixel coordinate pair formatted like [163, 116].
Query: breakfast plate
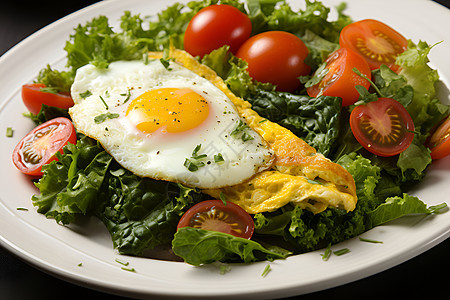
[83, 253]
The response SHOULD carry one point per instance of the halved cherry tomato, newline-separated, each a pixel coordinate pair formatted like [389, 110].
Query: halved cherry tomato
[439, 142]
[276, 57]
[340, 79]
[214, 26]
[215, 215]
[40, 145]
[375, 41]
[33, 98]
[384, 127]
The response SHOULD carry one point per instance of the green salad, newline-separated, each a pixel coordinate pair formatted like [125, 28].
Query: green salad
[143, 213]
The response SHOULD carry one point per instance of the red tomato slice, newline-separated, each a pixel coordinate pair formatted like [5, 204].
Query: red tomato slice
[33, 98]
[216, 216]
[383, 127]
[276, 57]
[40, 145]
[340, 79]
[439, 142]
[215, 26]
[375, 41]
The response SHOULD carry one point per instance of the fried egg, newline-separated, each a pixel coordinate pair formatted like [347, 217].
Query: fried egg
[299, 175]
[161, 120]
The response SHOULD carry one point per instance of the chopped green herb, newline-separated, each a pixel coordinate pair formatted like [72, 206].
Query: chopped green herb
[224, 268]
[86, 94]
[145, 58]
[80, 264]
[193, 163]
[370, 241]
[437, 209]
[124, 263]
[262, 121]
[223, 197]
[9, 132]
[128, 94]
[103, 100]
[51, 90]
[266, 271]
[341, 251]
[368, 79]
[165, 63]
[326, 255]
[240, 131]
[103, 117]
[128, 269]
[218, 158]
[22, 208]
[313, 181]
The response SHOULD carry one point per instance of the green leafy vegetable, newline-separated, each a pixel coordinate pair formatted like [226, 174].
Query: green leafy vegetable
[198, 246]
[315, 120]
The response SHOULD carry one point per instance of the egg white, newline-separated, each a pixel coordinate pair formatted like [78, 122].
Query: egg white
[98, 92]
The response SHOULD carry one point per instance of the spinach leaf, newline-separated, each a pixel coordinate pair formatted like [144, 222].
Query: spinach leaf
[198, 246]
[315, 120]
[141, 213]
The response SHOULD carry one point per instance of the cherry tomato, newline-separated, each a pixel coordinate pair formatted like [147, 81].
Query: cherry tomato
[375, 41]
[340, 79]
[214, 26]
[276, 57]
[33, 98]
[439, 142]
[384, 127]
[215, 215]
[40, 145]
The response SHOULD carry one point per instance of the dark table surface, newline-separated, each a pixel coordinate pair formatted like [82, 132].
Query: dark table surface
[424, 276]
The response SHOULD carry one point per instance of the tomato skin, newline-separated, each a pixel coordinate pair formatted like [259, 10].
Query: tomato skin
[375, 41]
[231, 213]
[340, 81]
[40, 145]
[383, 127]
[276, 57]
[33, 98]
[439, 141]
[214, 26]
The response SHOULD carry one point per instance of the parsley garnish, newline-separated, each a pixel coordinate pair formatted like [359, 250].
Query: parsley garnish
[326, 255]
[86, 94]
[223, 197]
[193, 163]
[240, 131]
[341, 251]
[102, 118]
[51, 90]
[9, 132]
[266, 271]
[370, 241]
[218, 158]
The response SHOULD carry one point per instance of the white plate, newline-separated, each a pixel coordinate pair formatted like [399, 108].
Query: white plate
[60, 249]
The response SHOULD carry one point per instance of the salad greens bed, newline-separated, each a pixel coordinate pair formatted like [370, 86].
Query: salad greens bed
[141, 213]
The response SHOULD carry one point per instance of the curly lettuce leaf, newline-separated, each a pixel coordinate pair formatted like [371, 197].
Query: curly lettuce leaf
[71, 185]
[198, 247]
[379, 200]
[425, 109]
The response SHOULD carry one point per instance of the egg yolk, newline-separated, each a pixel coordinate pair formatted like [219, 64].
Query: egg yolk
[171, 109]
